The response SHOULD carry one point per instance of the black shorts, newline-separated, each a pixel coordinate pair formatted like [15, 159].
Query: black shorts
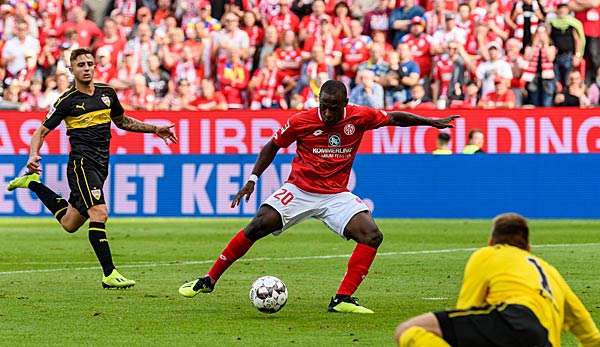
[498, 326]
[86, 181]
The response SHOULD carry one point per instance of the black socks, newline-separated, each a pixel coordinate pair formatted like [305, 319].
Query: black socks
[97, 236]
[54, 202]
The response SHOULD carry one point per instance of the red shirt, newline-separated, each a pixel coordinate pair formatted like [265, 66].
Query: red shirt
[497, 99]
[354, 52]
[290, 61]
[419, 47]
[331, 45]
[204, 103]
[324, 155]
[113, 47]
[255, 34]
[443, 73]
[86, 30]
[590, 19]
[284, 22]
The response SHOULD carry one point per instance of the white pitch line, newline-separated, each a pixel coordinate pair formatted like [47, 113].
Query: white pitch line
[313, 257]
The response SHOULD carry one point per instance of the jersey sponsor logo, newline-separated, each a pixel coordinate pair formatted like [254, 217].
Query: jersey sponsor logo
[335, 140]
[82, 106]
[349, 129]
[106, 100]
[96, 193]
[318, 132]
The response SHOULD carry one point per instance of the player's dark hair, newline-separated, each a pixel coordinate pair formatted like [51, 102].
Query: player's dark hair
[79, 51]
[511, 229]
[472, 133]
[444, 137]
[333, 87]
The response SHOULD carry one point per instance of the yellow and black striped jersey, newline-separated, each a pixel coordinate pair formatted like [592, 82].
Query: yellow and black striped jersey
[88, 120]
[505, 274]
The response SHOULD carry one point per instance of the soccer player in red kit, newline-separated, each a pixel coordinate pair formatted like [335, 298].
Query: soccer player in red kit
[327, 140]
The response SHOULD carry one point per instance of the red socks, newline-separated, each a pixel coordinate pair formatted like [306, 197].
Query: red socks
[358, 267]
[235, 249]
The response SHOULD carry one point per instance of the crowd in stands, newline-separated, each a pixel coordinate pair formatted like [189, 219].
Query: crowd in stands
[264, 54]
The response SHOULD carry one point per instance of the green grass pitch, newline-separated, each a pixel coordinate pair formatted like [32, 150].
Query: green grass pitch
[50, 289]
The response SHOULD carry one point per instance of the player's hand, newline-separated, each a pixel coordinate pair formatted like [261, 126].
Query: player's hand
[246, 191]
[165, 133]
[444, 123]
[33, 164]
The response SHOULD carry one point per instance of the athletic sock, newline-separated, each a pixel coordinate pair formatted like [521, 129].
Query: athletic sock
[97, 236]
[419, 337]
[358, 266]
[235, 249]
[54, 202]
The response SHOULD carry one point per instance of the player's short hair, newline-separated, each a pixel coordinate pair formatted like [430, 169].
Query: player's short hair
[511, 229]
[443, 137]
[473, 132]
[77, 52]
[334, 87]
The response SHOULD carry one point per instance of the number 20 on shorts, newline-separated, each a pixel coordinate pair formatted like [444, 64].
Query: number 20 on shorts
[284, 196]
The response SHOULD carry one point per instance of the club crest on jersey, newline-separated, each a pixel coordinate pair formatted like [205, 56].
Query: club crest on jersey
[96, 193]
[349, 129]
[335, 140]
[106, 100]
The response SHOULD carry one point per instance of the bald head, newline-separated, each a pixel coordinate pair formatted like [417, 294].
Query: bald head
[511, 229]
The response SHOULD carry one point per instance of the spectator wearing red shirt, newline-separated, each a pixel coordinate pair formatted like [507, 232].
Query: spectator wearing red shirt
[233, 77]
[435, 17]
[501, 97]
[142, 45]
[285, 19]
[209, 99]
[171, 52]
[311, 24]
[49, 54]
[450, 33]
[163, 11]
[289, 57]
[267, 86]
[21, 14]
[33, 100]
[588, 13]
[355, 50]
[326, 38]
[140, 97]
[256, 35]
[496, 20]
[378, 19]
[53, 9]
[420, 45]
[87, 31]
[127, 9]
[105, 70]
[309, 73]
[518, 64]
[465, 19]
[341, 21]
[111, 40]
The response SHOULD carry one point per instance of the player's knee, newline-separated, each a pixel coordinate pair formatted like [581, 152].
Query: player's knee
[70, 228]
[98, 214]
[372, 237]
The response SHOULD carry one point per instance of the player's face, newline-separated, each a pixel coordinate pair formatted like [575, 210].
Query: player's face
[332, 108]
[83, 68]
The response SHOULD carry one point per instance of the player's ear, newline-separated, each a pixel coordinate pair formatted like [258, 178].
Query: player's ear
[490, 242]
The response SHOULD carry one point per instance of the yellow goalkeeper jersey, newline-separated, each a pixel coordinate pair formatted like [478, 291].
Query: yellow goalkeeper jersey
[506, 274]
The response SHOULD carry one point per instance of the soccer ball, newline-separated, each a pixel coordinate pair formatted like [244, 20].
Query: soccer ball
[268, 294]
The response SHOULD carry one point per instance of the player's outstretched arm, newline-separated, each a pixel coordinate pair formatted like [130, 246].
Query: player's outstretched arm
[407, 119]
[33, 163]
[265, 158]
[131, 124]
